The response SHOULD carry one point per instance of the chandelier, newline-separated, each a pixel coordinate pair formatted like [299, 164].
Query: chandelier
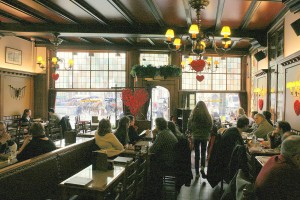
[198, 40]
[55, 61]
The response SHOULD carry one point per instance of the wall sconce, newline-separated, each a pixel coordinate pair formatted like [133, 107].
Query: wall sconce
[56, 62]
[259, 91]
[41, 63]
[294, 87]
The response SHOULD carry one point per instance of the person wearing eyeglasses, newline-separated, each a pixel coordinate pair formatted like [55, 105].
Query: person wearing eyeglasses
[7, 146]
[275, 137]
[280, 176]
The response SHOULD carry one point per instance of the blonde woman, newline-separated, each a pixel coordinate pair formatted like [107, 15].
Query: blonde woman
[106, 140]
[200, 125]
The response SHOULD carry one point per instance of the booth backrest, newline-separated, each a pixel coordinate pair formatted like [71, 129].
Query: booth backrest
[38, 178]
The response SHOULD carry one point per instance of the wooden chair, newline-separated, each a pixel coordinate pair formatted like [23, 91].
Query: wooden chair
[54, 133]
[142, 175]
[82, 125]
[129, 183]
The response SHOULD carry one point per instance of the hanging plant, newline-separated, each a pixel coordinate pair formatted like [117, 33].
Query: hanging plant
[150, 71]
[170, 71]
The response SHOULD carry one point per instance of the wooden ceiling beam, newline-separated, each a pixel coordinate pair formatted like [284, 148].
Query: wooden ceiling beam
[188, 12]
[56, 9]
[250, 12]
[91, 11]
[129, 40]
[12, 17]
[92, 30]
[85, 39]
[220, 10]
[106, 40]
[156, 12]
[17, 5]
[123, 10]
[150, 41]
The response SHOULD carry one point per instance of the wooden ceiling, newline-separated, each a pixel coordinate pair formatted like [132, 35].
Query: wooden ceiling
[133, 24]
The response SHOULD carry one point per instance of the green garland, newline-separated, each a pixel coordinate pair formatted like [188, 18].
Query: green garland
[150, 71]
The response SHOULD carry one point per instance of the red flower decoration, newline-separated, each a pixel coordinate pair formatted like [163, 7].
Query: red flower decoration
[198, 65]
[134, 101]
[297, 107]
[200, 78]
[260, 104]
[55, 76]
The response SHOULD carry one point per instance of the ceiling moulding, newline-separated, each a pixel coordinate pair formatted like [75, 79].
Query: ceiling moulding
[293, 5]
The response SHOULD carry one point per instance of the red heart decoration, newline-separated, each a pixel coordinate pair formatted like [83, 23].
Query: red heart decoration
[200, 78]
[260, 104]
[134, 101]
[55, 76]
[297, 107]
[198, 65]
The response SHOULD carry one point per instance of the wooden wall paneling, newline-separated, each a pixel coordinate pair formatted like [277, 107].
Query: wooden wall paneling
[41, 96]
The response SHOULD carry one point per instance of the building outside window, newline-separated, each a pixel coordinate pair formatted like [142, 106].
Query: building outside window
[97, 71]
[220, 87]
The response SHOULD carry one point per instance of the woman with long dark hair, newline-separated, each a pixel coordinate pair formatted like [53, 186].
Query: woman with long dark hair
[122, 131]
[200, 125]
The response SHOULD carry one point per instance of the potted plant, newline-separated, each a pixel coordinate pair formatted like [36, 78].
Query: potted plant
[150, 71]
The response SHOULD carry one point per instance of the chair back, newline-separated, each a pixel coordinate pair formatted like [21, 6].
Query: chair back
[130, 180]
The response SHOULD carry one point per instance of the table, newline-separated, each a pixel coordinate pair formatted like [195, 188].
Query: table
[147, 137]
[5, 163]
[102, 183]
[262, 159]
[62, 143]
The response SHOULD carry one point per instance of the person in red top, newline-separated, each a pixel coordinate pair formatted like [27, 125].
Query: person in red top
[280, 177]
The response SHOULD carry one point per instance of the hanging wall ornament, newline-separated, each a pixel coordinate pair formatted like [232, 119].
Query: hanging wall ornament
[297, 107]
[200, 78]
[260, 104]
[55, 76]
[134, 100]
[198, 65]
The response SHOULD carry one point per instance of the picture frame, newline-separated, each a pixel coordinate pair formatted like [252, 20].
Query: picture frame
[13, 56]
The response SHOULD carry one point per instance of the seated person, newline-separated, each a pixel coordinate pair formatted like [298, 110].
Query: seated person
[172, 127]
[106, 140]
[280, 176]
[252, 123]
[36, 144]
[240, 113]
[230, 138]
[263, 126]
[7, 146]
[122, 131]
[268, 116]
[163, 150]
[26, 117]
[132, 131]
[54, 119]
[276, 135]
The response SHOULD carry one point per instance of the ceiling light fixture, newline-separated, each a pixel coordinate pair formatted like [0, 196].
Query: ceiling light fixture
[198, 40]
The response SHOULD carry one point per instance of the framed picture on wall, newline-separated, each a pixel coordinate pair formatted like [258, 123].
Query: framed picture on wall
[13, 56]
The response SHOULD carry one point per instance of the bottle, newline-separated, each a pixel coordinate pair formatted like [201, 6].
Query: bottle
[254, 139]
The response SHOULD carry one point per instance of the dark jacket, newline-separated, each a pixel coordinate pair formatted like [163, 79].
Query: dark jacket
[36, 147]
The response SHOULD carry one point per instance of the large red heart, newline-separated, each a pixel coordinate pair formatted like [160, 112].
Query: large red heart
[297, 107]
[134, 101]
[198, 65]
[260, 104]
[200, 78]
[55, 76]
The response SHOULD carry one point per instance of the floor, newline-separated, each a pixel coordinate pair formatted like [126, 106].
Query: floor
[199, 189]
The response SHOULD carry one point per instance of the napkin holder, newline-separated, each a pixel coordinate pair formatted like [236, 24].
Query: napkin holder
[100, 161]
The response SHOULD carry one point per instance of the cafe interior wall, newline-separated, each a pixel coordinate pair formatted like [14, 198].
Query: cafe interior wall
[262, 84]
[291, 40]
[292, 74]
[10, 104]
[25, 47]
